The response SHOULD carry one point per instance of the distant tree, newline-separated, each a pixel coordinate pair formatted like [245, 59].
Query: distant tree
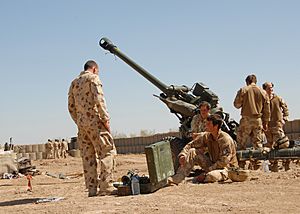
[145, 132]
[116, 135]
[132, 135]
[173, 130]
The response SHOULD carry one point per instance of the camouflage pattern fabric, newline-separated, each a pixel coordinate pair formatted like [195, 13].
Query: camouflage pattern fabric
[221, 154]
[198, 124]
[49, 150]
[250, 128]
[87, 107]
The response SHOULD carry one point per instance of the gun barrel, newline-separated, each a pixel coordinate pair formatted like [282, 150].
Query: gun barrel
[288, 153]
[108, 45]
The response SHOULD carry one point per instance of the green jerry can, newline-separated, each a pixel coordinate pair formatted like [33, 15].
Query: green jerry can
[160, 166]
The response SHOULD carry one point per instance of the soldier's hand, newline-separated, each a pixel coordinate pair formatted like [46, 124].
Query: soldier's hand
[182, 160]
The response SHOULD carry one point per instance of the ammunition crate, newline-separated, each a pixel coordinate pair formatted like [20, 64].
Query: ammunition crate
[160, 166]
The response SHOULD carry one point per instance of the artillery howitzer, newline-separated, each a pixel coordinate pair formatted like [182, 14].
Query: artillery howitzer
[183, 101]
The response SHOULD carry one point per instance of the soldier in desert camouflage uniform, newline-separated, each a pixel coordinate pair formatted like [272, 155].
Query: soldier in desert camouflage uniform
[255, 112]
[199, 120]
[87, 107]
[56, 148]
[63, 148]
[279, 115]
[221, 153]
[49, 149]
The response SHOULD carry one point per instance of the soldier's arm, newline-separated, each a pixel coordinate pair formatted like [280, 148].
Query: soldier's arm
[238, 101]
[99, 100]
[71, 104]
[285, 110]
[225, 155]
[197, 143]
[266, 112]
[193, 124]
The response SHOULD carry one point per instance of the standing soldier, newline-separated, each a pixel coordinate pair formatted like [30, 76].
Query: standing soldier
[56, 148]
[255, 112]
[49, 149]
[199, 120]
[63, 148]
[279, 115]
[87, 107]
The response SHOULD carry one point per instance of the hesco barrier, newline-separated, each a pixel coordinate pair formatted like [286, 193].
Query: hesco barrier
[136, 145]
[292, 129]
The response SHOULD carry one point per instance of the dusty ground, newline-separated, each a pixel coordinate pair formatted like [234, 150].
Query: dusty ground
[262, 193]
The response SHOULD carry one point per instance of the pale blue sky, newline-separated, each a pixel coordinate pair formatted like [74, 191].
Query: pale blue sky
[44, 44]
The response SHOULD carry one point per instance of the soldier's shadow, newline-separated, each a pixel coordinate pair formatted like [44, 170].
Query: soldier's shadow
[19, 202]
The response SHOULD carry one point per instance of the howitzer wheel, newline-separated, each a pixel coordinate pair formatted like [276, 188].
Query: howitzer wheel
[176, 145]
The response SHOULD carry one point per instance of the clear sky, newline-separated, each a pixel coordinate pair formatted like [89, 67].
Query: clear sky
[44, 45]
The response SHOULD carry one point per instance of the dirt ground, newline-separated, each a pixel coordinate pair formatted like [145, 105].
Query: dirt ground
[262, 193]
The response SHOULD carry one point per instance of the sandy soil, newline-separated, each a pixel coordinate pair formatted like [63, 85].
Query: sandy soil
[262, 193]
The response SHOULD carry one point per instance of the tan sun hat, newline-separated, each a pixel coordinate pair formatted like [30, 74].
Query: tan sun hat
[238, 175]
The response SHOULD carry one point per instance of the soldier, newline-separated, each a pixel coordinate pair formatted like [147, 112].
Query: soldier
[279, 115]
[63, 148]
[87, 107]
[56, 149]
[199, 120]
[221, 149]
[49, 149]
[255, 112]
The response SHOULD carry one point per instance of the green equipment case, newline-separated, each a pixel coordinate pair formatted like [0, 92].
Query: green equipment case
[160, 166]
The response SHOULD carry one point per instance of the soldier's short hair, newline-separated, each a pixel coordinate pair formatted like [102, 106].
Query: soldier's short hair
[90, 64]
[265, 85]
[251, 79]
[216, 119]
[204, 103]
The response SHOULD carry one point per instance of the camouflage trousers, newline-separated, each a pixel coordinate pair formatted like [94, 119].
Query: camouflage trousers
[275, 134]
[250, 128]
[196, 157]
[98, 157]
[277, 139]
[49, 153]
[56, 154]
[63, 153]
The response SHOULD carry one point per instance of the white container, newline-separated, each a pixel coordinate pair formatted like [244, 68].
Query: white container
[135, 186]
[265, 166]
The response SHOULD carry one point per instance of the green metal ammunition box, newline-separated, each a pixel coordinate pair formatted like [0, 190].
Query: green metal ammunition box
[160, 165]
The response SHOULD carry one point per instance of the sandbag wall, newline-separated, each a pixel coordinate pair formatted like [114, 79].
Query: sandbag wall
[136, 145]
[34, 151]
[292, 129]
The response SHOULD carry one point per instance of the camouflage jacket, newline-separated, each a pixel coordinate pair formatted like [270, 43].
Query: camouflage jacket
[198, 124]
[279, 109]
[222, 151]
[254, 102]
[86, 101]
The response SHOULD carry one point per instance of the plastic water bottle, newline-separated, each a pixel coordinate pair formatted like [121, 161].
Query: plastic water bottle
[265, 166]
[135, 185]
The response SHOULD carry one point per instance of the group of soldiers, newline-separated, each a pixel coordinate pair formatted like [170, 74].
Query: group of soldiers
[263, 115]
[56, 149]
